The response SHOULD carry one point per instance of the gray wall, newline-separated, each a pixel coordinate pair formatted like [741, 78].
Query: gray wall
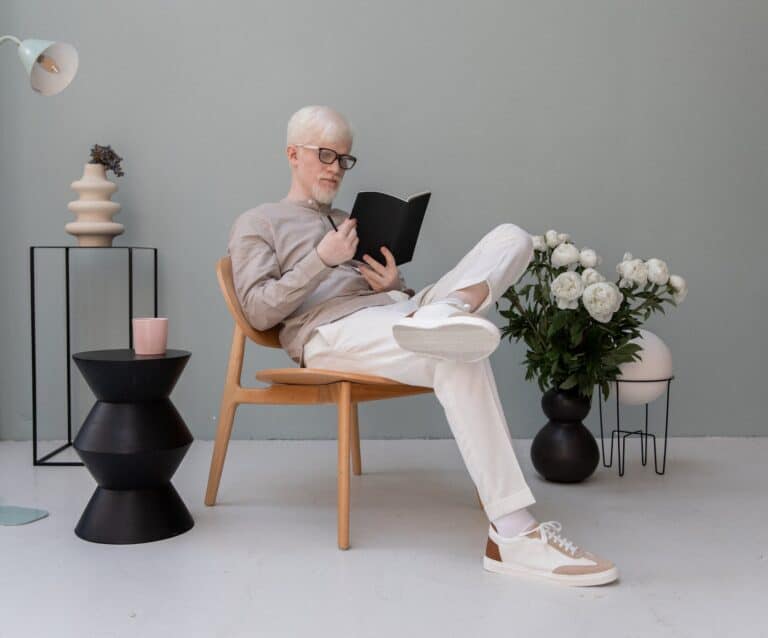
[634, 126]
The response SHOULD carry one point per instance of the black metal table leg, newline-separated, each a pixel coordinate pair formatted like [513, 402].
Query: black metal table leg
[44, 460]
[622, 434]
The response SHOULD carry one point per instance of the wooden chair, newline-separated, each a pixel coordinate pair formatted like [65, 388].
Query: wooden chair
[305, 386]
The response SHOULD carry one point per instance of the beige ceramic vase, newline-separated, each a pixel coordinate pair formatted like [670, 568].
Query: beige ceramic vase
[94, 210]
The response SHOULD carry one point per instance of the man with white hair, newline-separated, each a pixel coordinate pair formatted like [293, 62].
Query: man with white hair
[292, 265]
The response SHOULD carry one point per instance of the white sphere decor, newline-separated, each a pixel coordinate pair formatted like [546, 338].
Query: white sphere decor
[655, 363]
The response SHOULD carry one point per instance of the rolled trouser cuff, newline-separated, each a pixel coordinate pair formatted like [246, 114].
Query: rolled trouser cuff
[518, 500]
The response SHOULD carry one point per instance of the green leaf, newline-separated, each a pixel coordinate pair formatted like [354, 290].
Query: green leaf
[559, 320]
[577, 333]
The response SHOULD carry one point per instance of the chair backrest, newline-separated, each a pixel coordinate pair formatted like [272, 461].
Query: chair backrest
[268, 338]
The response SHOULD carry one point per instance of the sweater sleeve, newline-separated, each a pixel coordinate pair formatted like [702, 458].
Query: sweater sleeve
[266, 295]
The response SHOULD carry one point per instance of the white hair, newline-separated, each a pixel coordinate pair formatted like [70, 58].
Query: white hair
[322, 121]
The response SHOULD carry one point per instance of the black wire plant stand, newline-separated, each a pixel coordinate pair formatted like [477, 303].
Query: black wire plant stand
[45, 459]
[621, 435]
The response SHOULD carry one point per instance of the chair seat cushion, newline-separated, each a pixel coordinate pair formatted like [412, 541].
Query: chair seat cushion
[318, 376]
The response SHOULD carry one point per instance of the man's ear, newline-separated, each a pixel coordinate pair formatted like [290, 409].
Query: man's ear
[292, 153]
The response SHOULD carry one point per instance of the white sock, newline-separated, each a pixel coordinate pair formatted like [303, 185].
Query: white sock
[515, 522]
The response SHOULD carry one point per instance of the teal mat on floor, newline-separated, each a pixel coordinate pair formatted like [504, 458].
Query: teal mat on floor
[13, 515]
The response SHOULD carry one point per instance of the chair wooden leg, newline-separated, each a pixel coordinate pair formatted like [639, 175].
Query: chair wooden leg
[223, 434]
[226, 415]
[357, 463]
[345, 419]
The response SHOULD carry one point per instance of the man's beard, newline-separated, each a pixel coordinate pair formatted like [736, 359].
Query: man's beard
[323, 195]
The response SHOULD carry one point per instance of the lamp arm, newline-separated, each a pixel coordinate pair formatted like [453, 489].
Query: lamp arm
[11, 38]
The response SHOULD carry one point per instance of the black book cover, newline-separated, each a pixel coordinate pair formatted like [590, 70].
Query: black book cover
[386, 220]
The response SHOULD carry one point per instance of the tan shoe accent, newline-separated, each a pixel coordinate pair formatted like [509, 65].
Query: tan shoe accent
[492, 550]
[601, 565]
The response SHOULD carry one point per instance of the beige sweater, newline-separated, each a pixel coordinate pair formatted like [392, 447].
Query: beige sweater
[280, 278]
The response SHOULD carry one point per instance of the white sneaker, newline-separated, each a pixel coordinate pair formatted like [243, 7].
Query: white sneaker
[544, 554]
[445, 331]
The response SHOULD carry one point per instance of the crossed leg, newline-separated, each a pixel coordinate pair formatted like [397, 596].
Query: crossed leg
[363, 342]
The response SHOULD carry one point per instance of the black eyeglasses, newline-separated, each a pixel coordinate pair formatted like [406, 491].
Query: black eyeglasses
[329, 156]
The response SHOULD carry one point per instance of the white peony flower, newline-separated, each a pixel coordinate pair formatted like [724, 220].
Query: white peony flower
[561, 237]
[565, 254]
[601, 300]
[658, 273]
[567, 288]
[627, 257]
[591, 276]
[551, 238]
[679, 287]
[632, 271]
[620, 266]
[589, 258]
[539, 243]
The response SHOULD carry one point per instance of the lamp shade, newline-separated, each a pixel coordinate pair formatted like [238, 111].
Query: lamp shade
[49, 65]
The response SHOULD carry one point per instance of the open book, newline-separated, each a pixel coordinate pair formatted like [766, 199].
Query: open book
[386, 220]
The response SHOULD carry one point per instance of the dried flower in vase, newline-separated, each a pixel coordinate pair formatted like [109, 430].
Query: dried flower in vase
[105, 156]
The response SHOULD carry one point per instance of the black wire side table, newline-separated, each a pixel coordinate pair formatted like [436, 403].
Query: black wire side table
[623, 434]
[67, 282]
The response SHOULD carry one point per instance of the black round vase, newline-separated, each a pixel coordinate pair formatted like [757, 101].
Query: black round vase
[564, 450]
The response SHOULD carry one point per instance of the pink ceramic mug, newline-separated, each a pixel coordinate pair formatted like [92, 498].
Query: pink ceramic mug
[150, 335]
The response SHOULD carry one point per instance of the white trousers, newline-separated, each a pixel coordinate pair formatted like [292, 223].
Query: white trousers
[363, 342]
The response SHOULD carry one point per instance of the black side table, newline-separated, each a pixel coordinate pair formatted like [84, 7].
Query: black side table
[132, 442]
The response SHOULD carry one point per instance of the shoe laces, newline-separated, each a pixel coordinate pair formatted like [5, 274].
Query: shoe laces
[551, 529]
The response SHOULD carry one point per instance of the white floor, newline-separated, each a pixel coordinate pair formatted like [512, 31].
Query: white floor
[691, 547]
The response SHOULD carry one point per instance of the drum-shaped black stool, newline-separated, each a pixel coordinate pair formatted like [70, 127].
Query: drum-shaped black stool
[132, 442]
